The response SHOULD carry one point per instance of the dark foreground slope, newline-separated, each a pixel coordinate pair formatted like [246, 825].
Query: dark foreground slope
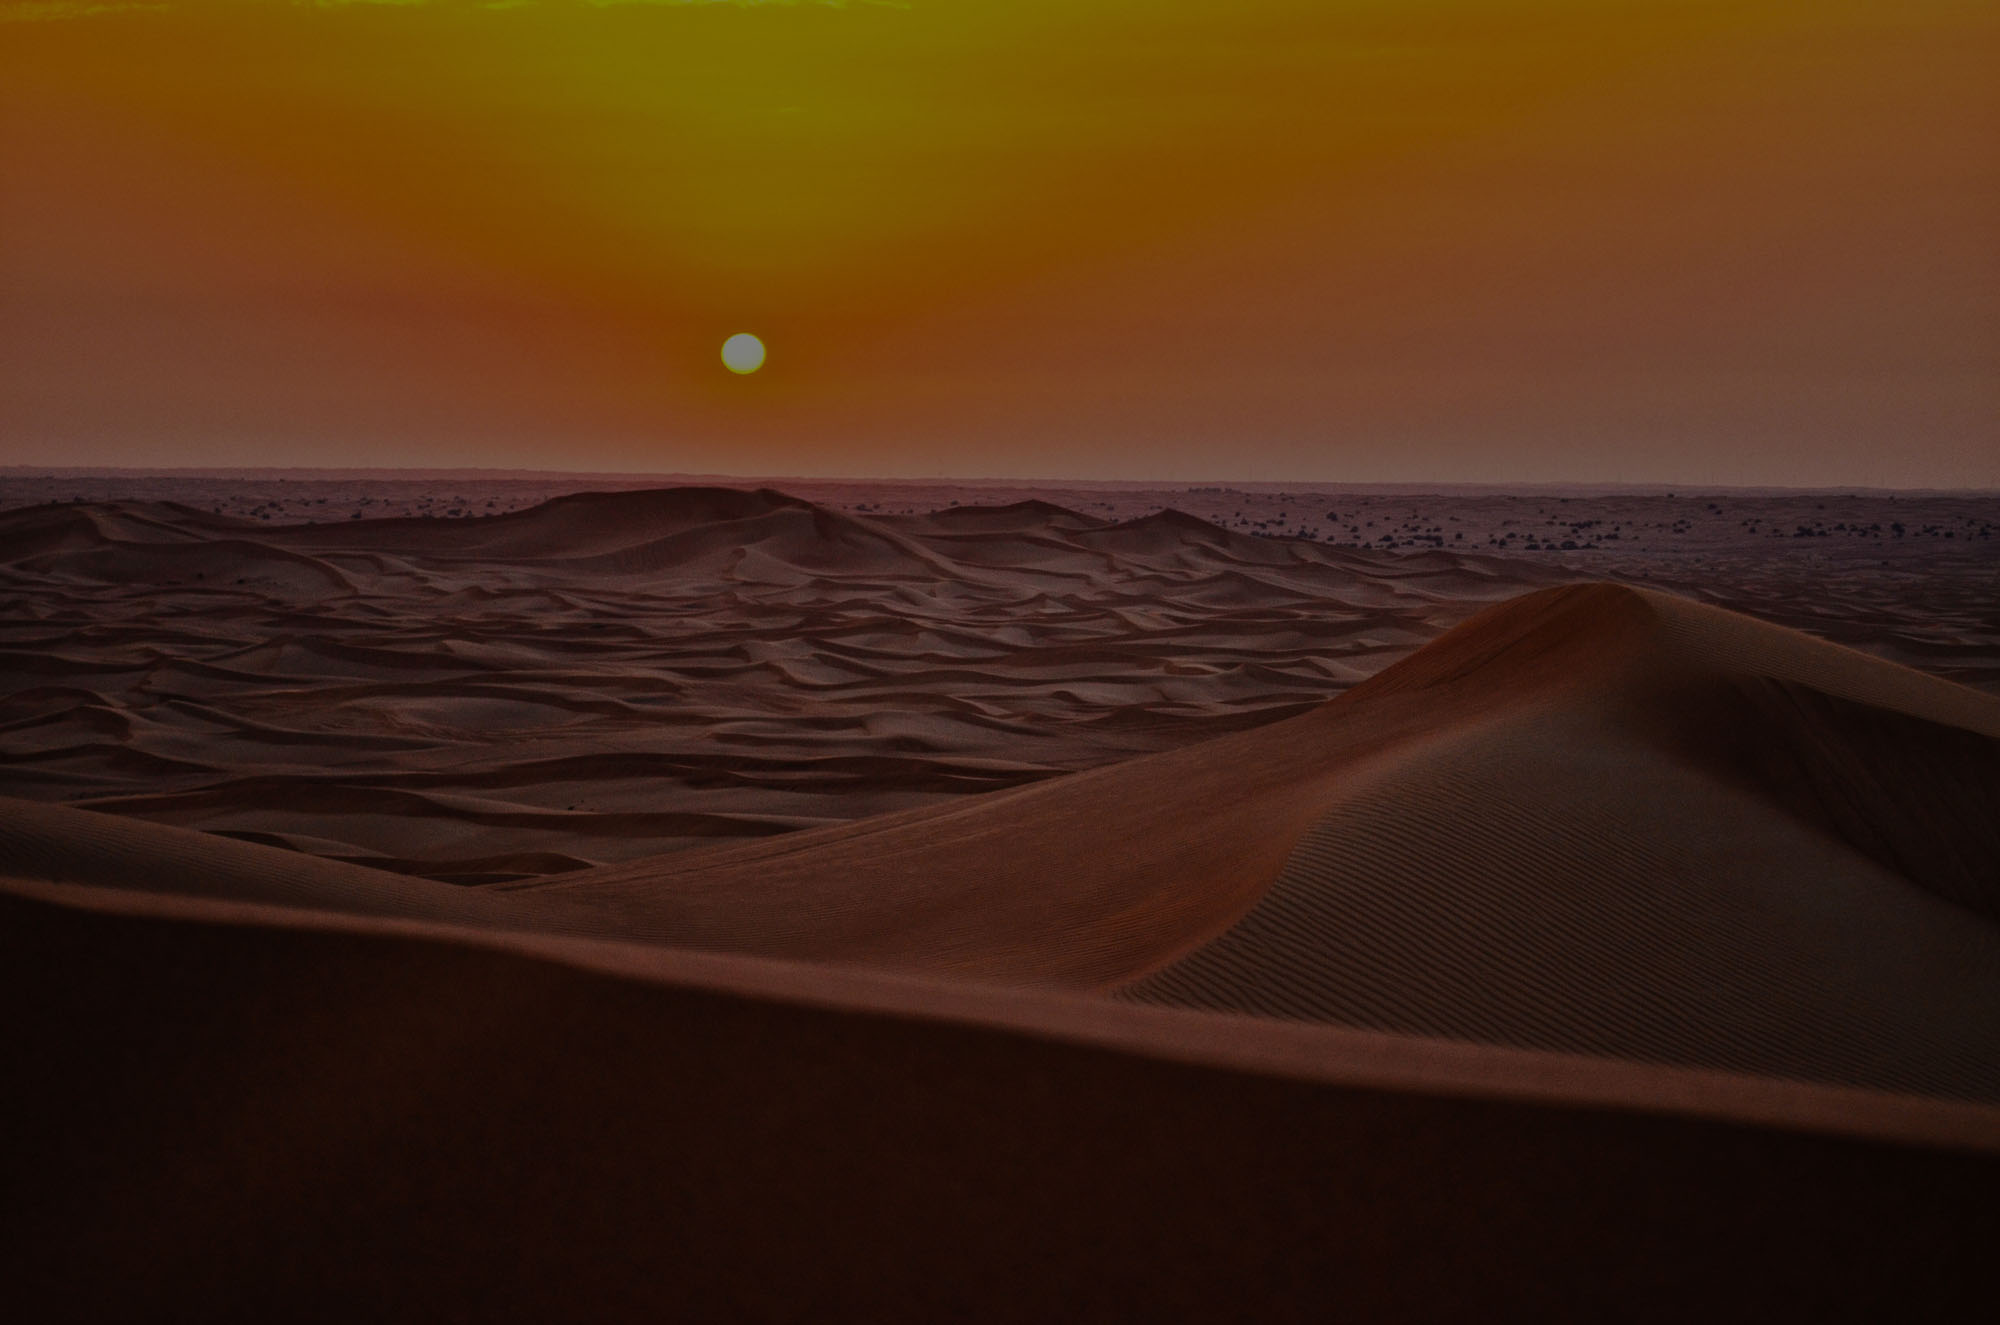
[222, 1114]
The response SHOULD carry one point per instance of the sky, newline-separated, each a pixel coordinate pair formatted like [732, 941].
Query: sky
[1701, 241]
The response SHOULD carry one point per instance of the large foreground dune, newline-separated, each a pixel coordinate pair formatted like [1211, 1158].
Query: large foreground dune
[221, 1111]
[1610, 956]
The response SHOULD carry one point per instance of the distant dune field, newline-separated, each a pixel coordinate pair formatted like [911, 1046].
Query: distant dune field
[613, 675]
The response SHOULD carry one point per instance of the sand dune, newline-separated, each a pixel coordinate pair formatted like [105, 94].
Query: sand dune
[1595, 820]
[613, 675]
[1576, 823]
[270, 1113]
[1692, 856]
[1609, 955]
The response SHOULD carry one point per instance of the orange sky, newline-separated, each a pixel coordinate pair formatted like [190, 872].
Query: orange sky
[1724, 241]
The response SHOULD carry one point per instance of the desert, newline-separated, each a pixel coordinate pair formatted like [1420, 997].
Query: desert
[797, 894]
[999, 660]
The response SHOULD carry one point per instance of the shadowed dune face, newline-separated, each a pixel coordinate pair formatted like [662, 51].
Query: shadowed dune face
[613, 675]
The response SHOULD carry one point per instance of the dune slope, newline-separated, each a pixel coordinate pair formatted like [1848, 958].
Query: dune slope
[1574, 823]
[1684, 837]
[239, 1114]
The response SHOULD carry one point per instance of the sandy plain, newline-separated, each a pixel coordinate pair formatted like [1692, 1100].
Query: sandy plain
[826, 899]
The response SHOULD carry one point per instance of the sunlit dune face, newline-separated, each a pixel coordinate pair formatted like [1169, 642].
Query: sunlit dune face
[743, 353]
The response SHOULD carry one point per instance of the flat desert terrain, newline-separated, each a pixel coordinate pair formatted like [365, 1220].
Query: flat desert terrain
[473, 896]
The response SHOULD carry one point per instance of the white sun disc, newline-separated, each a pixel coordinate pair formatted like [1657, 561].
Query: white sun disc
[743, 353]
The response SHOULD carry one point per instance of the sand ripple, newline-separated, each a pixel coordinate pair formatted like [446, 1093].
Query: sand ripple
[614, 675]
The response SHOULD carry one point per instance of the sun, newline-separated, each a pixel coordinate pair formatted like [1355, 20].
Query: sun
[743, 353]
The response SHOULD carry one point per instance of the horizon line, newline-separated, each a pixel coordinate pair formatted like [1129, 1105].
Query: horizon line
[1657, 487]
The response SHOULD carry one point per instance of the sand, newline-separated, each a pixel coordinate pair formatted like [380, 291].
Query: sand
[1905, 575]
[1587, 952]
[614, 675]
